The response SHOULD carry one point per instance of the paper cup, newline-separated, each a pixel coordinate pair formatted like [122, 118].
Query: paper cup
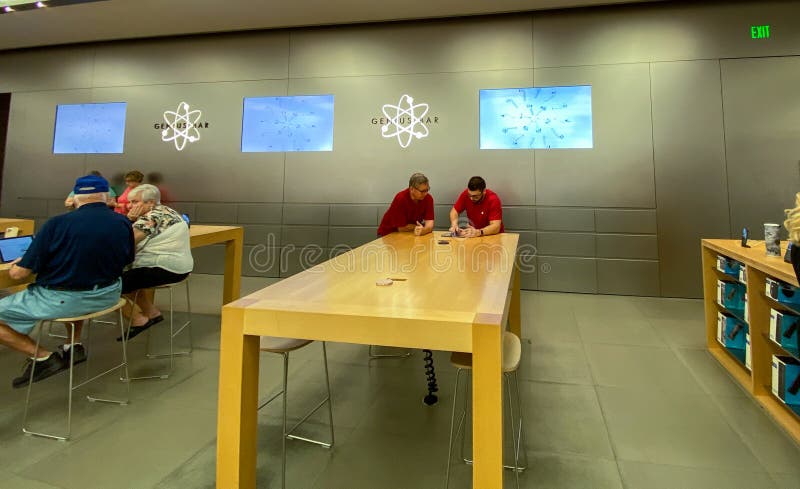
[772, 239]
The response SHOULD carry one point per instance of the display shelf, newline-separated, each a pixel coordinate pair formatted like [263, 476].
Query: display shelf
[779, 349]
[725, 277]
[758, 268]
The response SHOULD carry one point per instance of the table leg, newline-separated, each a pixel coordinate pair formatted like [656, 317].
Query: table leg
[238, 403]
[487, 403]
[514, 314]
[232, 280]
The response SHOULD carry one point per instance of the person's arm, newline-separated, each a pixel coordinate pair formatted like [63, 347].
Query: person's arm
[453, 220]
[17, 272]
[111, 202]
[69, 203]
[138, 236]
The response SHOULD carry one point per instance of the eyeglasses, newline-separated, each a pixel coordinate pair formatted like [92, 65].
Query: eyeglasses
[476, 197]
[422, 191]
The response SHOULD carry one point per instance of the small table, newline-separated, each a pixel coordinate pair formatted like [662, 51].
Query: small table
[455, 297]
[25, 226]
[233, 237]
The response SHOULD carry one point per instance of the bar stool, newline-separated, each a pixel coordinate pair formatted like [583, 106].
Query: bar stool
[283, 346]
[172, 333]
[512, 351]
[124, 365]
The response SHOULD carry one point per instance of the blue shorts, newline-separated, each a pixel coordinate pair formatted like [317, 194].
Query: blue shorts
[21, 311]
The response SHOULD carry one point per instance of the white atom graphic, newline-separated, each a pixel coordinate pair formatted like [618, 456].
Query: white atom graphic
[405, 120]
[181, 126]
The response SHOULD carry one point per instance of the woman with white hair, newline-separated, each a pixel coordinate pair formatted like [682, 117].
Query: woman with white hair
[163, 254]
[792, 224]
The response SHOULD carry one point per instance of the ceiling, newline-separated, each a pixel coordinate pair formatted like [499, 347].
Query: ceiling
[128, 19]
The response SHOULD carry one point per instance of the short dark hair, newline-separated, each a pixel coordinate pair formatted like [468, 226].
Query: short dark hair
[476, 183]
[95, 173]
[134, 175]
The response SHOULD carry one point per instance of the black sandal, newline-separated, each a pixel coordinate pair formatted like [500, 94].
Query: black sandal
[135, 331]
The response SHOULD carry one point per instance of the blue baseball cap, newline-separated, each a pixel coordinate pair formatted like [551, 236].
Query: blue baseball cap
[90, 184]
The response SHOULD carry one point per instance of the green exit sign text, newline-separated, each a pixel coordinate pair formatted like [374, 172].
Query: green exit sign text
[759, 32]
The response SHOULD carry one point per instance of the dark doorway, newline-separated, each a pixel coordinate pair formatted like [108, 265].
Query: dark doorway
[5, 108]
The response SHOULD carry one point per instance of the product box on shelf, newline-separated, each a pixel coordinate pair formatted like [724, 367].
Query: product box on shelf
[729, 266]
[748, 353]
[784, 329]
[731, 296]
[731, 333]
[786, 380]
[783, 292]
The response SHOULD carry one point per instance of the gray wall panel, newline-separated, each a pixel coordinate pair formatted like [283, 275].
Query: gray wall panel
[441, 216]
[626, 221]
[564, 219]
[354, 215]
[209, 259]
[351, 236]
[566, 244]
[188, 208]
[255, 234]
[690, 169]
[762, 138]
[462, 45]
[258, 261]
[56, 68]
[519, 217]
[305, 235]
[526, 239]
[618, 171]
[627, 246]
[635, 34]
[215, 213]
[306, 214]
[193, 59]
[627, 277]
[567, 274]
[529, 273]
[301, 259]
[379, 167]
[259, 213]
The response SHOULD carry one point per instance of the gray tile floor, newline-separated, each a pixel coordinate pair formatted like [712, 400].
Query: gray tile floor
[618, 392]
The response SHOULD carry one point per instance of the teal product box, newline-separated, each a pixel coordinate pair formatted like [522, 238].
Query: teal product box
[729, 266]
[782, 292]
[732, 334]
[786, 380]
[784, 329]
[730, 295]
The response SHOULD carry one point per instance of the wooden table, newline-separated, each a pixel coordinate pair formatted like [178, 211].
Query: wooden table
[233, 238]
[457, 297]
[25, 226]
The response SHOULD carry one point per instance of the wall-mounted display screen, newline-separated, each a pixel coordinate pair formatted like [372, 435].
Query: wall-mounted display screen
[292, 123]
[90, 128]
[536, 118]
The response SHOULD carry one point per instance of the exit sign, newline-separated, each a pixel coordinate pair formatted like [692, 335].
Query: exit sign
[759, 32]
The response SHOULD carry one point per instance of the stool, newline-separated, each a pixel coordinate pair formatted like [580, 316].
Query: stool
[124, 365]
[512, 350]
[172, 332]
[283, 346]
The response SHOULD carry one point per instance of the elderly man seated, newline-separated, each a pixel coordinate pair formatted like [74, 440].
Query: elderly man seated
[78, 260]
[163, 253]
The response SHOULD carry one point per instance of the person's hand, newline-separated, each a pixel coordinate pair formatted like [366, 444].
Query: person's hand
[69, 203]
[454, 229]
[137, 210]
[471, 232]
[418, 228]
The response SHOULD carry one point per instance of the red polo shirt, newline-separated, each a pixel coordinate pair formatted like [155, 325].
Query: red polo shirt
[405, 210]
[488, 209]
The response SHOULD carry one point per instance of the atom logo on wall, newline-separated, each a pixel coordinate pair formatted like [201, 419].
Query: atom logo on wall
[406, 121]
[181, 126]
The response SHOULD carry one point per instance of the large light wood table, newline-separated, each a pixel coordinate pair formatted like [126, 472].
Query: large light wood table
[457, 297]
[233, 238]
[25, 226]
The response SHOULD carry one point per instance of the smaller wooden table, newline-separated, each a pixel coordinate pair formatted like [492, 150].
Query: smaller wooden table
[25, 225]
[233, 238]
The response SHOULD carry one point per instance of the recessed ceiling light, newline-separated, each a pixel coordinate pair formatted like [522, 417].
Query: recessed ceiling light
[8, 9]
[40, 4]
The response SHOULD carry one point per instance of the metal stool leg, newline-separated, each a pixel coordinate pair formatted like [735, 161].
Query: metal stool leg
[283, 438]
[521, 436]
[173, 332]
[123, 365]
[513, 429]
[452, 427]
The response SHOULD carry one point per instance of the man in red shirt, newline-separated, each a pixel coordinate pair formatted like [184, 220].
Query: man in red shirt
[411, 209]
[484, 210]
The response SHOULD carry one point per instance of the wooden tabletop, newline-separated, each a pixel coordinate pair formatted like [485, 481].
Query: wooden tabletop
[755, 256]
[26, 226]
[446, 286]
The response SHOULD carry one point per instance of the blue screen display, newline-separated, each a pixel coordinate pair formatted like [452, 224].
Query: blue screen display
[536, 118]
[293, 123]
[90, 128]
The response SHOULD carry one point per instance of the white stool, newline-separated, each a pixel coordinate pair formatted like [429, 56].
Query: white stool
[512, 351]
[283, 346]
[172, 332]
[124, 365]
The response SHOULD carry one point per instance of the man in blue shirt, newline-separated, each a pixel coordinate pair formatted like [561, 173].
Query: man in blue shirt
[78, 260]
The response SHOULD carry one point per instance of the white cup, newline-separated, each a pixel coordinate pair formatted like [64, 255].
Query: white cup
[772, 239]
